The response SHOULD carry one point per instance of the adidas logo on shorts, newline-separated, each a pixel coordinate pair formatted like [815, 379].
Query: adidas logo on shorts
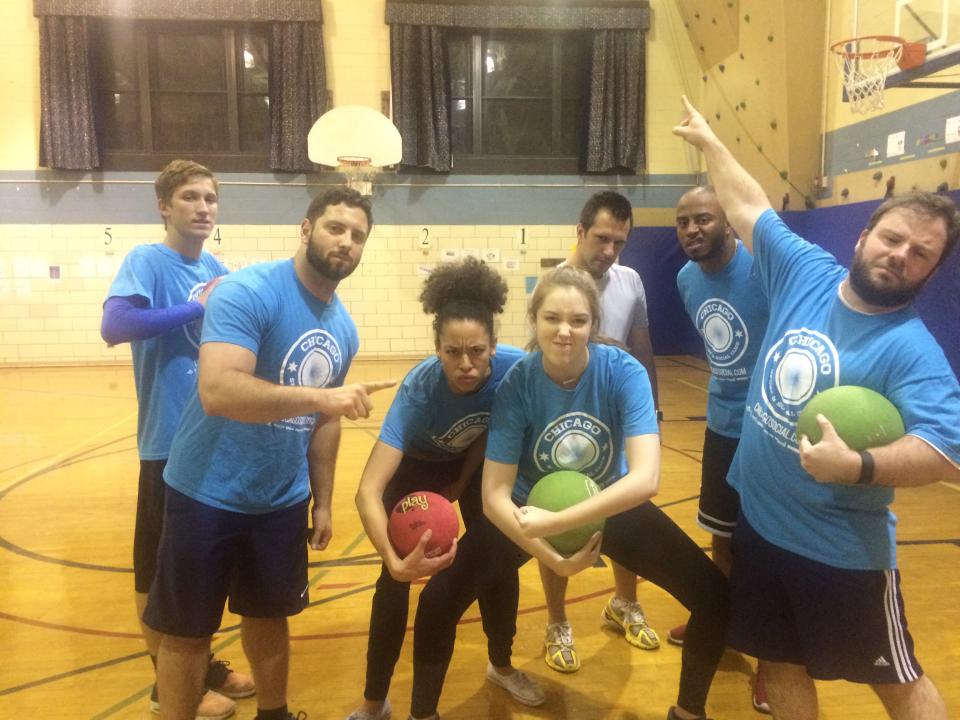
[881, 662]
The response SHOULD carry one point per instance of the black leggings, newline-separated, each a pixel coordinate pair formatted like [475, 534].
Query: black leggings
[642, 539]
[391, 600]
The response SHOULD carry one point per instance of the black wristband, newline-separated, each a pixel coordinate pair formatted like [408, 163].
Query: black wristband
[659, 415]
[866, 468]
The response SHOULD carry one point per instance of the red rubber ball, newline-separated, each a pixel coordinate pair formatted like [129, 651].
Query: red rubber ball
[416, 513]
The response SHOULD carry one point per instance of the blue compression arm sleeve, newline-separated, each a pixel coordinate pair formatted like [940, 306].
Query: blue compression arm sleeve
[128, 318]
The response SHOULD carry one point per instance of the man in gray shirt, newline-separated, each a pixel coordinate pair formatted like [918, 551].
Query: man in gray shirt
[605, 223]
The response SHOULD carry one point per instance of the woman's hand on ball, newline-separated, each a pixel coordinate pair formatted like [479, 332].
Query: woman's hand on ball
[582, 559]
[418, 564]
[534, 522]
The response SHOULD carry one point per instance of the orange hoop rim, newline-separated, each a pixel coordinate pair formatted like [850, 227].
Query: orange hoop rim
[838, 47]
[353, 160]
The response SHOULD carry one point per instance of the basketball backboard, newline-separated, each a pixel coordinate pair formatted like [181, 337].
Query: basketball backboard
[356, 140]
[934, 23]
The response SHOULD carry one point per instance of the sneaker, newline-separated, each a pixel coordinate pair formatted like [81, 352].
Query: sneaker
[384, 713]
[627, 617]
[228, 682]
[559, 653]
[522, 688]
[671, 715]
[759, 695]
[213, 706]
[675, 635]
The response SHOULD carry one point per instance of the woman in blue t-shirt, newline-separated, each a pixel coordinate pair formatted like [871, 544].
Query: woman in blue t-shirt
[573, 404]
[433, 439]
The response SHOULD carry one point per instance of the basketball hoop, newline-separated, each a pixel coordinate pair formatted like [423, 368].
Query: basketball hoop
[360, 173]
[356, 140]
[864, 64]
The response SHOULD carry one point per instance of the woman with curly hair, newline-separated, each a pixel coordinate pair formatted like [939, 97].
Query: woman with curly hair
[433, 438]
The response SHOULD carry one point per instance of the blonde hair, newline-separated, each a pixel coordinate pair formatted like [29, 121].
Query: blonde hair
[565, 276]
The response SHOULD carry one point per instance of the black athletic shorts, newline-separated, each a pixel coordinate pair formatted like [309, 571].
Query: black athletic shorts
[208, 554]
[838, 623]
[719, 503]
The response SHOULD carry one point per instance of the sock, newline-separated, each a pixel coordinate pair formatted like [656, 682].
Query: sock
[280, 713]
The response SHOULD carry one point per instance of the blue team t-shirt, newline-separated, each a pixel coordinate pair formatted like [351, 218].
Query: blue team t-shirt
[729, 310]
[298, 340]
[542, 427]
[814, 341]
[164, 366]
[429, 421]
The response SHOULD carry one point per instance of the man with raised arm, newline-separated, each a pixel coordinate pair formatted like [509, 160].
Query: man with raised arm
[256, 441]
[815, 586]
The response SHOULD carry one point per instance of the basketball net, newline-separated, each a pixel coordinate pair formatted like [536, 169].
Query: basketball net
[864, 64]
[360, 173]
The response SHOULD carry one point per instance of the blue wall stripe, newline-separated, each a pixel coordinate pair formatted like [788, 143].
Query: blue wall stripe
[47, 197]
[848, 149]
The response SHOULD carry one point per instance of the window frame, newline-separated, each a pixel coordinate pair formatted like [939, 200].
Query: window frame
[233, 159]
[488, 163]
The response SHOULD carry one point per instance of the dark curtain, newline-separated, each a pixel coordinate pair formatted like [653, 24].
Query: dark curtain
[68, 135]
[615, 137]
[298, 92]
[421, 102]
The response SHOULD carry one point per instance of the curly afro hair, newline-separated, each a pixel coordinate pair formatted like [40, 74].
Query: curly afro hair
[465, 290]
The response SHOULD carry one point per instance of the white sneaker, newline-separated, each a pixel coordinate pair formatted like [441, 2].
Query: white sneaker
[213, 705]
[521, 688]
[384, 713]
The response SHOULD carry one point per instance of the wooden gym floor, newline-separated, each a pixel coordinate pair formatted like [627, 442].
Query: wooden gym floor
[69, 643]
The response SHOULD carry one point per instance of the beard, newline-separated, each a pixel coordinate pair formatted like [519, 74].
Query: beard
[324, 267]
[871, 293]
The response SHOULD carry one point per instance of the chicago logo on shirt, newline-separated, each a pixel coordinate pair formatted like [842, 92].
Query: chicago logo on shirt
[461, 434]
[575, 441]
[314, 360]
[800, 364]
[192, 329]
[724, 333]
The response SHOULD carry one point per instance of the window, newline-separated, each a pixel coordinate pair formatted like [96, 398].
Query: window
[186, 89]
[517, 100]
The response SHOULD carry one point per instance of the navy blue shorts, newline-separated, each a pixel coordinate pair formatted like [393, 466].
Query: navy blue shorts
[207, 555]
[151, 495]
[838, 623]
[719, 502]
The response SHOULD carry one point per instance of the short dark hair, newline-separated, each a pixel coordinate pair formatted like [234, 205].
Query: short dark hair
[925, 203]
[614, 203]
[177, 173]
[340, 196]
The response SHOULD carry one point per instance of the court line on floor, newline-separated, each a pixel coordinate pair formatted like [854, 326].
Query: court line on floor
[65, 455]
[702, 389]
[951, 485]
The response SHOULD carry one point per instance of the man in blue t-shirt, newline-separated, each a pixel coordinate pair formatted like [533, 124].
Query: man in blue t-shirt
[721, 293]
[156, 303]
[815, 588]
[256, 440]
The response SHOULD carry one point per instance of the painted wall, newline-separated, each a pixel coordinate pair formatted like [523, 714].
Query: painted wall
[757, 68]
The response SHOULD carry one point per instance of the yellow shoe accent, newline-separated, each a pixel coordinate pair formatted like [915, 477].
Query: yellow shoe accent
[628, 618]
[559, 653]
